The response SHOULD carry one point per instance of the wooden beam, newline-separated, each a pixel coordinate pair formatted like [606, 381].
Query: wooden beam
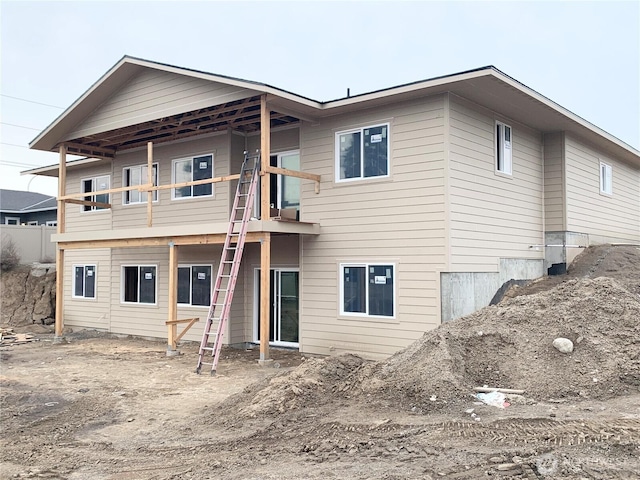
[102, 152]
[59, 325]
[87, 203]
[201, 239]
[146, 188]
[150, 180]
[62, 186]
[293, 173]
[172, 310]
[265, 154]
[265, 295]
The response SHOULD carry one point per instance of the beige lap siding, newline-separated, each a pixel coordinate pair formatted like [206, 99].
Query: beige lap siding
[77, 219]
[614, 218]
[397, 220]
[153, 94]
[493, 215]
[140, 319]
[166, 211]
[91, 313]
[554, 205]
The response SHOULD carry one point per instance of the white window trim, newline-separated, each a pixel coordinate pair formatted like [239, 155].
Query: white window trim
[93, 197]
[361, 178]
[73, 281]
[500, 146]
[52, 223]
[191, 265]
[173, 176]
[32, 223]
[603, 187]
[122, 277]
[366, 266]
[8, 219]
[155, 192]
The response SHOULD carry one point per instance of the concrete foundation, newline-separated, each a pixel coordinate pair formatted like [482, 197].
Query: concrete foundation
[561, 248]
[464, 293]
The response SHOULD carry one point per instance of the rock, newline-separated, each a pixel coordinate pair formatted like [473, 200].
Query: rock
[563, 345]
[503, 467]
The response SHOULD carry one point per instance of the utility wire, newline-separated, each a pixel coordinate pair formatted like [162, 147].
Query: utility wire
[20, 126]
[14, 145]
[18, 164]
[31, 101]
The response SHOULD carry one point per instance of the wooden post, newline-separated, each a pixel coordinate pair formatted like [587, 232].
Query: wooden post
[62, 180]
[265, 295]
[149, 182]
[172, 309]
[265, 154]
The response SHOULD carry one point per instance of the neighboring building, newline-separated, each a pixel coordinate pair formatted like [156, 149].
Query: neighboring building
[27, 208]
[430, 196]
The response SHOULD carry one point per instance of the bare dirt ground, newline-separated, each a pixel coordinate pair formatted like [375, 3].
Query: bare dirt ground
[101, 407]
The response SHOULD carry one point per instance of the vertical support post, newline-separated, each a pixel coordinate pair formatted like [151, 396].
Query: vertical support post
[62, 184]
[265, 296]
[149, 183]
[172, 309]
[265, 155]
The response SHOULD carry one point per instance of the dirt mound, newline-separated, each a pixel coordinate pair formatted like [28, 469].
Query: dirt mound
[508, 346]
[620, 262]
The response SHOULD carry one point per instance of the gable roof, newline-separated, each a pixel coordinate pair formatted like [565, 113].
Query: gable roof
[487, 86]
[18, 201]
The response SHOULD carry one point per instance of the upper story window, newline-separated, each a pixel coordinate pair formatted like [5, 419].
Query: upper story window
[12, 220]
[192, 169]
[52, 223]
[503, 148]
[367, 290]
[137, 175]
[194, 285]
[606, 179]
[84, 281]
[93, 185]
[362, 153]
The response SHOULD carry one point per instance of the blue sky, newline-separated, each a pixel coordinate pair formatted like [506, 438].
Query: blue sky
[583, 55]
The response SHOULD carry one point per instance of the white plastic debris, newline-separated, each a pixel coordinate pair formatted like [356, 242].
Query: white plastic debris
[495, 399]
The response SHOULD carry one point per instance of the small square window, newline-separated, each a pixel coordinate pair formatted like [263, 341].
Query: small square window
[137, 175]
[95, 185]
[84, 281]
[139, 284]
[606, 179]
[190, 170]
[194, 285]
[503, 149]
[368, 290]
[362, 153]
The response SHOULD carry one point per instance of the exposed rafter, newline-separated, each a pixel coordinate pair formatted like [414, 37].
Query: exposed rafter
[241, 115]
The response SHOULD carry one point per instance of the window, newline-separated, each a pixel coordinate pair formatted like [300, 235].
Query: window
[192, 169]
[367, 290]
[132, 176]
[32, 222]
[84, 281]
[93, 185]
[606, 179]
[52, 223]
[503, 148]
[194, 285]
[12, 220]
[139, 284]
[362, 153]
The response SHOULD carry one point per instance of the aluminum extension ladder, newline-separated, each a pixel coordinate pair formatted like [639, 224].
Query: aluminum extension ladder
[220, 307]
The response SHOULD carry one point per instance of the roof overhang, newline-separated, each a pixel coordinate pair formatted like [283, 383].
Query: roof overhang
[487, 87]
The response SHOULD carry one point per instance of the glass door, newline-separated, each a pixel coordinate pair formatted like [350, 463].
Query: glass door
[284, 313]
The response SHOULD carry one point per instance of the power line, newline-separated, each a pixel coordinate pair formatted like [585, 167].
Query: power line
[20, 126]
[31, 101]
[14, 145]
[18, 164]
